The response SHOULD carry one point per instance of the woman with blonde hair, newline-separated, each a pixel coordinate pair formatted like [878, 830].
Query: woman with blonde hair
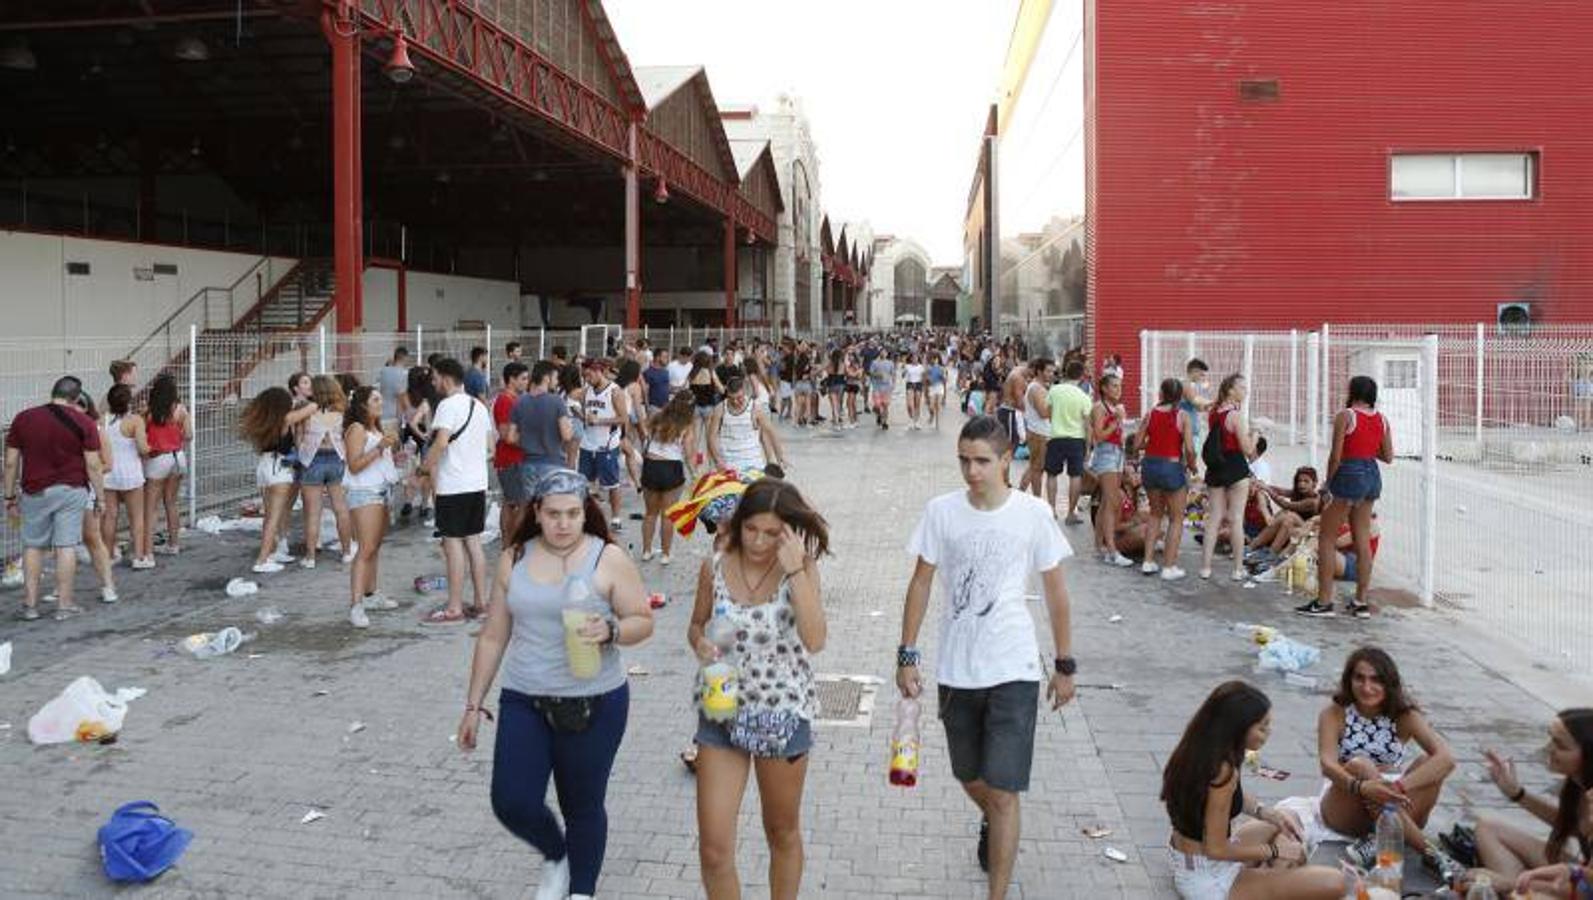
[324, 458]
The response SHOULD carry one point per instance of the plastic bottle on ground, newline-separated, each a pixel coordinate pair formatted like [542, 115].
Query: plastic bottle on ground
[1482, 889]
[430, 584]
[1390, 837]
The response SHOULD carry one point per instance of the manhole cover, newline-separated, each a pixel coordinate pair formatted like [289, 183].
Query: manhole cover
[846, 699]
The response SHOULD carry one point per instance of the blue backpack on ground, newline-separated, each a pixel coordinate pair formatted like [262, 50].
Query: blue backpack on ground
[139, 843]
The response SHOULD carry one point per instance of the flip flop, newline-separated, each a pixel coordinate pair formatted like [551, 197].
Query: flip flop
[688, 758]
[442, 617]
[67, 612]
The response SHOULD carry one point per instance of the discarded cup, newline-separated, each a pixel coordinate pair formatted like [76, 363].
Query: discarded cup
[242, 587]
[206, 645]
[657, 600]
[268, 616]
[1298, 680]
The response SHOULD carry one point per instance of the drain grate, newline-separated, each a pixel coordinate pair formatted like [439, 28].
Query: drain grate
[846, 699]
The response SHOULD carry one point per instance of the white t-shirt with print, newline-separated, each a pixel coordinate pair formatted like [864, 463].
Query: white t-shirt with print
[983, 560]
[678, 373]
[463, 469]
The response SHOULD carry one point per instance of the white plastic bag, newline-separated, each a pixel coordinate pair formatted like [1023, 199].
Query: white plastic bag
[5, 657]
[242, 587]
[206, 644]
[1285, 655]
[82, 712]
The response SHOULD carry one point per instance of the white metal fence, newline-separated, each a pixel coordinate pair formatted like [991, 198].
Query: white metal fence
[1488, 507]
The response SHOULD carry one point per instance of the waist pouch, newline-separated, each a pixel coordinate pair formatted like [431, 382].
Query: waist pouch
[569, 715]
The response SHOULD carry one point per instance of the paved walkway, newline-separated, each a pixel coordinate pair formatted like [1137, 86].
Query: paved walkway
[240, 748]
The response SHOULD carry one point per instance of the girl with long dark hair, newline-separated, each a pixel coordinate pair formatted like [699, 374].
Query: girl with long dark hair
[1509, 850]
[1228, 481]
[665, 470]
[124, 480]
[416, 432]
[1262, 859]
[267, 424]
[1106, 464]
[708, 392]
[169, 428]
[370, 473]
[561, 588]
[1361, 437]
[1361, 738]
[1169, 464]
[765, 587]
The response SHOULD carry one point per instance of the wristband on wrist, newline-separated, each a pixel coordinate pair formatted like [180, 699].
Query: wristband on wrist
[1520, 792]
[906, 656]
[480, 709]
[1272, 851]
[1066, 665]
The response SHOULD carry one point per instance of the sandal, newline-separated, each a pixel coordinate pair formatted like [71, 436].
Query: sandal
[474, 613]
[688, 758]
[67, 612]
[442, 617]
[29, 613]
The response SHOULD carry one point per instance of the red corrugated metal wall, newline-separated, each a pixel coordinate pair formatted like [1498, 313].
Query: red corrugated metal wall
[1207, 211]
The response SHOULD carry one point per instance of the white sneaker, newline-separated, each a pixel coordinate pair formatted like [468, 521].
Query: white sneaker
[1119, 560]
[146, 563]
[1149, 567]
[1172, 573]
[108, 595]
[83, 557]
[357, 616]
[555, 881]
[647, 556]
[353, 550]
[379, 600]
[267, 567]
[306, 563]
[664, 560]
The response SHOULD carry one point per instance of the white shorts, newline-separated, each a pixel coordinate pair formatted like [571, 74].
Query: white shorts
[165, 465]
[272, 471]
[785, 390]
[1202, 878]
[123, 480]
[937, 390]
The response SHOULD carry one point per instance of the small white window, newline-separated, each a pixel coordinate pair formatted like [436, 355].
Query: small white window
[1462, 176]
[1401, 374]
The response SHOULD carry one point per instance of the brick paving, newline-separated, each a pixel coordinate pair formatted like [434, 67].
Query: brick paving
[239, 748]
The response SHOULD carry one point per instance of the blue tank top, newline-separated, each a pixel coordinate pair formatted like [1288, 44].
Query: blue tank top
[534, 662]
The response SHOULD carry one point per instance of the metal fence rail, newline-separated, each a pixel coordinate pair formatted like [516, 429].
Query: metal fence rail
[1488, 507]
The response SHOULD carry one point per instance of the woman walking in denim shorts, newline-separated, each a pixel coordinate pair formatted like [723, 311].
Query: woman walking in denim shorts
[1361, 437]
[1169, 462]
[370, 473]
[1106, 464]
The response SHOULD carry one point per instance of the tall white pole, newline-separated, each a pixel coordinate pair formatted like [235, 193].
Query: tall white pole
[1313, 396]
[1429, 547]
[1326, 412]
[1294, 386]
[193, 410]
[1144, 372]
[542, 343]
[1481, 367]
[420, 344]
[320, 341]
[1189, 346]
[1248, 370]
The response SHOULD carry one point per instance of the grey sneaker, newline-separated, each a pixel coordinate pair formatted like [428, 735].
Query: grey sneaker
[1363, 853]
[379, 600]
[1446, 867]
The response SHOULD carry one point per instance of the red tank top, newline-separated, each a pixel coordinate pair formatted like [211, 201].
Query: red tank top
[1230, 440]
[1366, 438]
[1162, 437]
[167, 438]
[1115, 435]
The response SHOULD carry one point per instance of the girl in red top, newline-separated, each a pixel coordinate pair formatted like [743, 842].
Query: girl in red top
[1228, 481]
[168, 428]
[1106, 464]
[1169, 461]
[1361, 437]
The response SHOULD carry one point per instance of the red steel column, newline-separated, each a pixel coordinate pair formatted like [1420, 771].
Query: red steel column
[730, 272]
[347, 247]
[633, 238]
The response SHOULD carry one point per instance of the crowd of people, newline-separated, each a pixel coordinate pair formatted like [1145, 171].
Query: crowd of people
[565, 440]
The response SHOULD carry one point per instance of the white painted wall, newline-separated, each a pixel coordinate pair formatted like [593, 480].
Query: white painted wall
[38, 298]
[439, 301]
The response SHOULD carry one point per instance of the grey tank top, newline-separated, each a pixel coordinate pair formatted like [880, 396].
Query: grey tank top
[535, 662]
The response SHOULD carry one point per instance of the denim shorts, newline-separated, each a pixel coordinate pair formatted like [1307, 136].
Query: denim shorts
[326, 468]
[512, 482]
[53, 518]
[1163, 474]
[359, 497]
[1106, 459]
[717, 734]
[990, 732]
[1356, 480]
[601, 467]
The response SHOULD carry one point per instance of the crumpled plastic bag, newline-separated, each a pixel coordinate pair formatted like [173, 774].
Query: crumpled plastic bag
[214, 525]
[1282, 654]
[5, 657]
[83, 712]
[242, 587]
[205, 644]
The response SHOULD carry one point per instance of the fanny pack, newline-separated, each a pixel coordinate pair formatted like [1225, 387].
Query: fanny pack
[568, 715]
[765, 733]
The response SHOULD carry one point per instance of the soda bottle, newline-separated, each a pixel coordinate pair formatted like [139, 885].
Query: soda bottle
[905, 744]
[1390, 837]
[584, 658]
[1482, 889]
[428, 584]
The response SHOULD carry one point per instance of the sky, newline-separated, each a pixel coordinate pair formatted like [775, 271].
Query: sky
[896, 91]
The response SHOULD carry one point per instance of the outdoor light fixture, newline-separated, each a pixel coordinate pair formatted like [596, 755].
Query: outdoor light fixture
[191, 49]
[16, 54]
[661, 193]
[195, 149]
[750, 239]
[398, 68]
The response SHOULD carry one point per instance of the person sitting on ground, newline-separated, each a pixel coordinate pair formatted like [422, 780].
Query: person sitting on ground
[1262, 859]
[1510, 852]
[1361, 738]
[1296, 506]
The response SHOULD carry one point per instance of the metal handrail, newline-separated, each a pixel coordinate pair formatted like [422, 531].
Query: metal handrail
[165, 326]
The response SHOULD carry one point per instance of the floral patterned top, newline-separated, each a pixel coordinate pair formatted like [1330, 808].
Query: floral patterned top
[1376, 739]
[771, 662]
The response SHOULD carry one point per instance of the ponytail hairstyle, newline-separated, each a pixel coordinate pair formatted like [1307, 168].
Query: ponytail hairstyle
[1227, 386]
[1172, 391]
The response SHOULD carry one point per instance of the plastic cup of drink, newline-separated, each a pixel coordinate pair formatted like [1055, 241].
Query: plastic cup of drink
[584, 657]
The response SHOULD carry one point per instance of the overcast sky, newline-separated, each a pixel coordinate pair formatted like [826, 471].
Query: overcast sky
[896, 91]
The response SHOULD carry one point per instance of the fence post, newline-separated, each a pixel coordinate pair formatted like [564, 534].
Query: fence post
[1247, 369]
[1429, 550]
[1478, 378]
[542, 343]
[193, 410]
[1189, 346]
[1313, 391]
[420, 342]
[1144, 362]
[489, 352]
[1294, 386]
[320, 340]
[671, 341]
[1154, 367]
[1325, 413]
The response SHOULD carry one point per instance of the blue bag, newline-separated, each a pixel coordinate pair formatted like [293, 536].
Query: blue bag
[139, 843]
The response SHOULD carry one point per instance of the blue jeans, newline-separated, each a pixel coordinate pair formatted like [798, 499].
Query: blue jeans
[528, 751]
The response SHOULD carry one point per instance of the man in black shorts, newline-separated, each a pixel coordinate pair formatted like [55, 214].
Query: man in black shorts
[1069, 408]
[461, 435]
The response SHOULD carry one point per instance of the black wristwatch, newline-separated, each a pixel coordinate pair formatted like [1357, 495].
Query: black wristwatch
[906, 656]
[1066, 665]
[613, 630]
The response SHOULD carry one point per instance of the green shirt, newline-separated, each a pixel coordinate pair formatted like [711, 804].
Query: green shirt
[1070, 408]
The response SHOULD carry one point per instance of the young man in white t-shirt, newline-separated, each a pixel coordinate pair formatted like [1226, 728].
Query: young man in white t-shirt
[985, 542]
[461, 439]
